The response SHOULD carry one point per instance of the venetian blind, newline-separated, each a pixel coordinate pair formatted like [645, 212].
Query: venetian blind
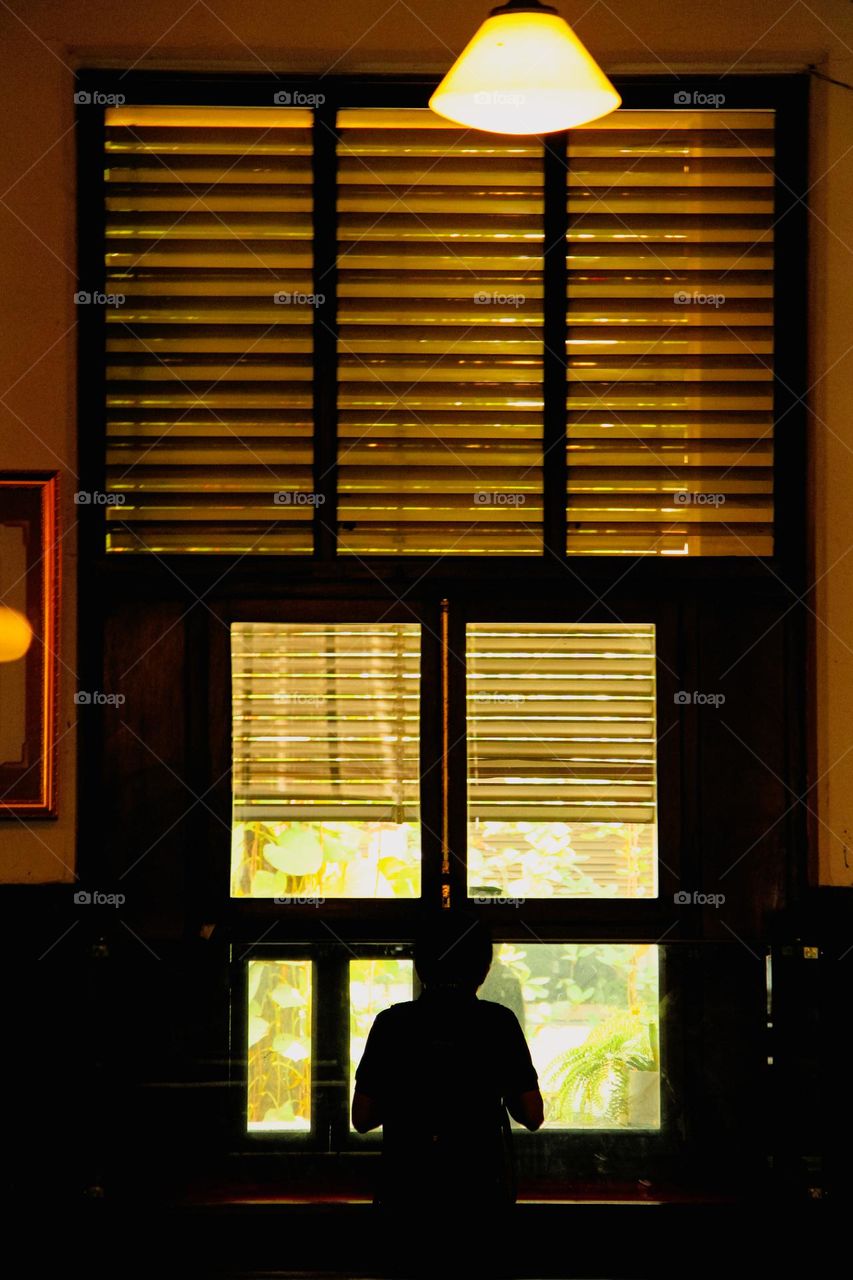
[440, 337]
[561, 722]
[209, 356]
[325, 721]
[670, 347]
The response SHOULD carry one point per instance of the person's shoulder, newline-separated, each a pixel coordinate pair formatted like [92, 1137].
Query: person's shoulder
[498, 1013]
[395, 1013]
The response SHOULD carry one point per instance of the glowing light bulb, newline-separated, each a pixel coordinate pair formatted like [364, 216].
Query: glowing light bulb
[524, 72]
[16, 634]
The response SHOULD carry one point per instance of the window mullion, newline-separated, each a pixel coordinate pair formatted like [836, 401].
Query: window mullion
[331, 1055]
[456, 771]
[444, 610]
[432, 773]
[325, 333]
[554, 268]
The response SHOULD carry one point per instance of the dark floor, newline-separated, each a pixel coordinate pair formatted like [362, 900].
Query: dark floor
[546, 1242]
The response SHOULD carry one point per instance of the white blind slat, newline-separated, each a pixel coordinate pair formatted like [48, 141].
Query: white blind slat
[562, 759]
[325, 722]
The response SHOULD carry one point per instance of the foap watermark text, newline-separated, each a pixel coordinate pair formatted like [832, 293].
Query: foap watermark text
[487, 898]
[95, 498]
[90, 298]
[297, 498]
[498, 699]
[85, 98]
[297, 98]
[696, 98]
[96, 898]
[687, 498]
[485, 498]
[697, 699]
[483, 298]
[287, 298]
[97, 698]
[684, 898]
[697, 298]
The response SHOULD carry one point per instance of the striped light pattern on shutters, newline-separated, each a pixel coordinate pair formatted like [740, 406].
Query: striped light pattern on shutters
[326, 720]
[670, 347]
[561, 759]
[440, 337]
[209, 393]
[326, 759]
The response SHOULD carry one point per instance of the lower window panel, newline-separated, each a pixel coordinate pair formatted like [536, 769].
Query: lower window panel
[590, 1012]
[279, 1046]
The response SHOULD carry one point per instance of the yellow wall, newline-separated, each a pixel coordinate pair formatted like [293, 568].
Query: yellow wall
[44, 44]
[831, 443]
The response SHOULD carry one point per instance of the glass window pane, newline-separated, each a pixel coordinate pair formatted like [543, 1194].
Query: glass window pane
[279, 1041]
[590, 1013]
[374, 985]
[326, 760]
[561, 760]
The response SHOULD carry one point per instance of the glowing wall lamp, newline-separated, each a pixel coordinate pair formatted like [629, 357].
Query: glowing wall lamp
[525, 71]
[15, 634]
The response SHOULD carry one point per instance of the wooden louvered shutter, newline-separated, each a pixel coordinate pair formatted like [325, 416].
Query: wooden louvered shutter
[209, 399]
[562, 755]
[326, 721]
[670, 400]
[440, 365]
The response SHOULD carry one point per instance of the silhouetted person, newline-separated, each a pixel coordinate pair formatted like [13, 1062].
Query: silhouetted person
[437, 1074]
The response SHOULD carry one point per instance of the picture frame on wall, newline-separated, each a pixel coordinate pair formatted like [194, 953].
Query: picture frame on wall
[30, 584]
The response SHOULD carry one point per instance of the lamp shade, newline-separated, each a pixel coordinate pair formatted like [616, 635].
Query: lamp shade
[15, 634]
[525, 71]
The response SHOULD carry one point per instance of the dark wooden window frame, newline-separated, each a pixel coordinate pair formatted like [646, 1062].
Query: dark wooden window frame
[330, 1134]
[345, 926]
[644, 918]
[326, 587]
[787, 95]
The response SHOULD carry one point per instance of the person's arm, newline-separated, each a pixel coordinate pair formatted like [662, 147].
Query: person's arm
[522, 1098]
[527, 1108]
[369, 1080]
[366, 1112]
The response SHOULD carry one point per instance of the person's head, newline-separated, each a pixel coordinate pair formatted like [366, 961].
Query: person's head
[453, 948]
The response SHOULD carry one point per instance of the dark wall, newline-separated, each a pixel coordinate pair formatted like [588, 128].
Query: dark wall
[148, 1082]
[729, 774]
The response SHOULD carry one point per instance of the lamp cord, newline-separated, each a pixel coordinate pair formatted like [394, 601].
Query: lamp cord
[842, 84]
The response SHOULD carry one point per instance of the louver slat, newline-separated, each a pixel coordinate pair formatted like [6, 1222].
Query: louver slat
[670, 347]
[209, 391]
[326, 722]
[561, 759]
[440, 332]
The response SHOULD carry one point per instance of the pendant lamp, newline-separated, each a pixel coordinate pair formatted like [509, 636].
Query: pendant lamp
[524, 72]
